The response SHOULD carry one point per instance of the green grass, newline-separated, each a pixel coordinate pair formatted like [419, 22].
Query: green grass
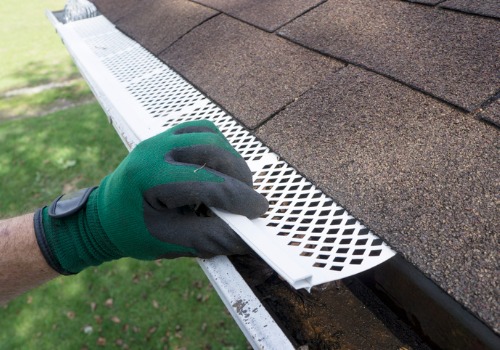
[144, 305]
[31, 52]
[37, 104]
[44, 157]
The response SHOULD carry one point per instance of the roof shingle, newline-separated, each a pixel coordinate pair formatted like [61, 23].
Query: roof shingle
[160, 23]
[447, 54]
[251, 73]
[483, 7]
[114, 12]
[265, 14]
[492, 113]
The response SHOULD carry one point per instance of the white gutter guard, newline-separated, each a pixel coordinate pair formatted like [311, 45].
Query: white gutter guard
[306, 237]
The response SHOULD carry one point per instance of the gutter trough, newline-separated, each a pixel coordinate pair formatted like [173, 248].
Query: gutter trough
[305, 237]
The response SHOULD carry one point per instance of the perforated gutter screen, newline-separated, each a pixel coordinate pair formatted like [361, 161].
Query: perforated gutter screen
[304, 236]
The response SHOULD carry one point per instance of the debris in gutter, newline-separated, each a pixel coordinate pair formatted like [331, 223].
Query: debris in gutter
[75, 10]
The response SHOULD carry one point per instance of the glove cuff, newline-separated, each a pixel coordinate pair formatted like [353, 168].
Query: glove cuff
[76, 240]
[41, 239]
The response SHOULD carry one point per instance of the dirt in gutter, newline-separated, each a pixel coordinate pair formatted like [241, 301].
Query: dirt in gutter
[338, 315]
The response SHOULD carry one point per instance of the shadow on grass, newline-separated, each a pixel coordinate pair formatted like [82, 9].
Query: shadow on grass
[38, 72]
[40, 156]
[46, 101]
[132, 304]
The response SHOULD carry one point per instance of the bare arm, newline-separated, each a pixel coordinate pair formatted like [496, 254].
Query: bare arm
[22, 265]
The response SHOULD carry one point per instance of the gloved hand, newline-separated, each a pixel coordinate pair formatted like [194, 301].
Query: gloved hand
[147, 208]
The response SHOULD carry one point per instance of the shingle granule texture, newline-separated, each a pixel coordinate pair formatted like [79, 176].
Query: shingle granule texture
[265, 14]
[160, 23]
[250, 72]
[447, 54]
[492, 113]
[483, 7]
[421, 174]
[427, 2]
[116, 9]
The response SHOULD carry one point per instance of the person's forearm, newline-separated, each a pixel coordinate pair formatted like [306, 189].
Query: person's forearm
[22, 265]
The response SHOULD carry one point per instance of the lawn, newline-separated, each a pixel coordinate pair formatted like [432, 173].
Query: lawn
[121, 304]
[31, 54]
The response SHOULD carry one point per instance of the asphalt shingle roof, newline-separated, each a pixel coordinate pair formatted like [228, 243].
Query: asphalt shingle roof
[427, 2]
[492, 113]
[115, 11]
[253, 74]
[483, 7]
[380, 103]
[167, 21]
[265, 14]
[445, 53]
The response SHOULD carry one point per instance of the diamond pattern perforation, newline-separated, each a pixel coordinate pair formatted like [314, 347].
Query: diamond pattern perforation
[164, 93]
[110, 43]
[311, 222]
[321, 233]
[95, 26]
[119, 65]
[245, 143]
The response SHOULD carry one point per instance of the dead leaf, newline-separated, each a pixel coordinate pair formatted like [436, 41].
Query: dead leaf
[158, 262]
[70, 314]
[29, 299]
[93, 306]
[125, 327]
[178, 331]
[202, 298]
[101, 341]
[155, 304]
[115, 319]
[119, 342]
[109, 303]
[152, 330]
[98, 319]
[136, 329]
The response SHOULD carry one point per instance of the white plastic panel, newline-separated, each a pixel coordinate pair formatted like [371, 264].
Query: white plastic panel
[144, 97]
[253, 319]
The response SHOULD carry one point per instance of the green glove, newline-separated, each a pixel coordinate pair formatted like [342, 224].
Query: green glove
[148, 207]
